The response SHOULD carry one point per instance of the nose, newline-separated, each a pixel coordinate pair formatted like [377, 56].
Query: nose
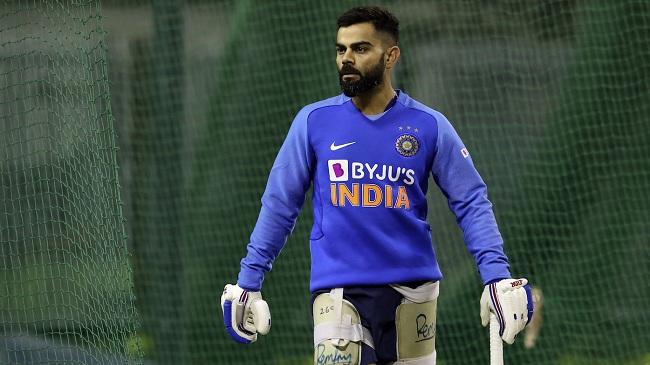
[347, 57]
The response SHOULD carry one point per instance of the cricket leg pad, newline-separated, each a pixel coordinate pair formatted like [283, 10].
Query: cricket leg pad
[338, 332]
[415, 322]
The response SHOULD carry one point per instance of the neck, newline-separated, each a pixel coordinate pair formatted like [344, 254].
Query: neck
[375, 101]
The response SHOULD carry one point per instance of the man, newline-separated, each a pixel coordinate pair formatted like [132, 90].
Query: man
[369, 153]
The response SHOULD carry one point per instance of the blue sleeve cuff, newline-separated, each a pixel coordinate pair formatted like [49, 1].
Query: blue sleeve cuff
[250, 280]
[495, 273]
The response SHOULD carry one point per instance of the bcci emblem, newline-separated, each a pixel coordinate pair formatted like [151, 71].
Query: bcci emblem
[407, 145]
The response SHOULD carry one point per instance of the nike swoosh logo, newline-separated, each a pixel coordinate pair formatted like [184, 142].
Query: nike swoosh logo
[334, 147]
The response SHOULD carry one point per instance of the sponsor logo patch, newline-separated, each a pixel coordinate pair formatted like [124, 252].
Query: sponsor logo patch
[334, 147]
[369, 185]
[338, 170]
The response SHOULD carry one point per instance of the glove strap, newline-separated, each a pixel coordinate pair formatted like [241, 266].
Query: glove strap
[531, 304]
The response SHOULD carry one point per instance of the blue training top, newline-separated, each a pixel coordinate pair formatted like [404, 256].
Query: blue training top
[369, 199]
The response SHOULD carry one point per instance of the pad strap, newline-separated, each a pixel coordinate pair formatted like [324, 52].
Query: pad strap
[352, 332]
[342, 328]
[337, 297]
[424, 293]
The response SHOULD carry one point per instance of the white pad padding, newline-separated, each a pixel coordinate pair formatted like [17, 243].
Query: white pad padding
[415, 322]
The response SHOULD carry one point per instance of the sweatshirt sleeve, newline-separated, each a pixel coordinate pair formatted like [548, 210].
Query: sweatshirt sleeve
[288, 182]
[455, 174]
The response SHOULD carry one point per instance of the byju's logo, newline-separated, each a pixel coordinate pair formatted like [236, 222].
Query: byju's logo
[338, 170]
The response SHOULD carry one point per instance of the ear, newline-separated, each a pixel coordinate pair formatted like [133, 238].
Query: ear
[392, 56]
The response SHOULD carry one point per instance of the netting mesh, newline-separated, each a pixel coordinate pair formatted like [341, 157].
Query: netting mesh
[550, 96]
[65, 284]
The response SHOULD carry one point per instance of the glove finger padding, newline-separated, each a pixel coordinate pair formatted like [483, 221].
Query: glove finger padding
[245, 314]
[261, 316]
[511, 301]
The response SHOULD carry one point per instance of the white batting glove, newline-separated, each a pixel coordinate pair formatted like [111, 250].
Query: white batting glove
[512, 303]
[245, 314]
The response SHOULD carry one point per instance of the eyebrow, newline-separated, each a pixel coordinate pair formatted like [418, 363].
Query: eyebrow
[355, 44]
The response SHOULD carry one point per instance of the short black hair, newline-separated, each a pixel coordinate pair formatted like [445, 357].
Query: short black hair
[381, 18]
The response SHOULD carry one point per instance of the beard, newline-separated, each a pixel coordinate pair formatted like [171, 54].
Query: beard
[368, 81]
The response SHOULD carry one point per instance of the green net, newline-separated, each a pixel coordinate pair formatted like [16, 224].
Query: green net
[550, 96]
[65, 284]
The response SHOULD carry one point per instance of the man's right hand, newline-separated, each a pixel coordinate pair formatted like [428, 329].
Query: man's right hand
[245, 314]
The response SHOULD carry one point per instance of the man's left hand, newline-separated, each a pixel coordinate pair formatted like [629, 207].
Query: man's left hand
[512, 303]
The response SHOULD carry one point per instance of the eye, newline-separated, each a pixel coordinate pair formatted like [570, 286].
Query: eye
[361, 49]
[340, 50]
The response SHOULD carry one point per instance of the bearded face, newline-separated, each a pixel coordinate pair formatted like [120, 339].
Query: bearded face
[355, 82]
